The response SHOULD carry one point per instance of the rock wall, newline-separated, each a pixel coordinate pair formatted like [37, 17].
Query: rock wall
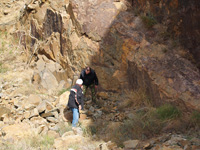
[164, 78]
[56, 42]
[180, 16]
[104, 34]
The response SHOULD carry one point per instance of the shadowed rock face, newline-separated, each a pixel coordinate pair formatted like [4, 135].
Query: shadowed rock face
[52, 23]
[181, 17]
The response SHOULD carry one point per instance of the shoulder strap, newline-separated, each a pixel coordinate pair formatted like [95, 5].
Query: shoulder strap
[75, 91]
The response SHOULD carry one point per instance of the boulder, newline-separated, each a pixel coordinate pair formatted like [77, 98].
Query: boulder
[131, 144]
[33, 100]
[17, 131]
[4, 110]
[67, 141]
[63, 99]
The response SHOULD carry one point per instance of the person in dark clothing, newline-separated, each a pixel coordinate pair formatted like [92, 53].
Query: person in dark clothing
[90, 80]
[76, 102]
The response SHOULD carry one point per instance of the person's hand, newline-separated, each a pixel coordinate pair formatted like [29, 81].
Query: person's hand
[79, 107]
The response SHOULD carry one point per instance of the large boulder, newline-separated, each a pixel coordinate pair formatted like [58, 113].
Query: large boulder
[32, 101]
[63, 99]
[17, 131]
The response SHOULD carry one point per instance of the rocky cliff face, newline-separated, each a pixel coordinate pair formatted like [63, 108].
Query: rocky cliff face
[181, 17]
[66, 36]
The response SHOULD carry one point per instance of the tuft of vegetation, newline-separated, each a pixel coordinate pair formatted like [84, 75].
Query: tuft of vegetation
[137, 98]
[167, 111]
[165, 35]
[30, 142]
[63, 91]
[2, 68]
[149, 21]
[142, 126]
[73, 146]
[41, 142]
[63, 127]
[2, 46]
[195, 118]
[145, 124]
[3, 42]
[89, 131]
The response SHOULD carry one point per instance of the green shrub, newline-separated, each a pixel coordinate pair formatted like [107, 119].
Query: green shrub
[149, 21]
[196, 118]
[167, 111]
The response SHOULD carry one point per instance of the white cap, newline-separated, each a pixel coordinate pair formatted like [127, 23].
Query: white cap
[79, 81]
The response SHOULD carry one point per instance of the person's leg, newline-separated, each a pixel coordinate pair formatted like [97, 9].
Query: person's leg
[92, 88]
[75, 116]
[85, 91]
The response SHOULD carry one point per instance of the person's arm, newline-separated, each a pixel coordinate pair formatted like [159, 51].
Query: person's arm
[71, 99]
[82, 102]
[96, 79]
[82, 75]
[80, 99]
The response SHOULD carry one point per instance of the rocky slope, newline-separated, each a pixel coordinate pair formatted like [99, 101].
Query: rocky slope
[44, 46]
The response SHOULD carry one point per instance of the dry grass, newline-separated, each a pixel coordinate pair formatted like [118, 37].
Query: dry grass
[142, 126]
[145, 123]
[64, 127]
[33, 142]
[135, 99]
[89, 131]
[3, 68]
